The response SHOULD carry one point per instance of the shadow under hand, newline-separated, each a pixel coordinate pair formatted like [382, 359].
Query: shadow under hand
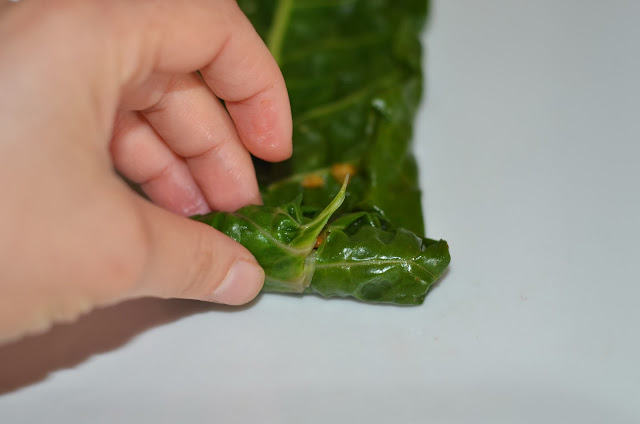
[31, 359]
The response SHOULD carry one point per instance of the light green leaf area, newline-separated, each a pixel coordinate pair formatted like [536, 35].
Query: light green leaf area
[280, 239]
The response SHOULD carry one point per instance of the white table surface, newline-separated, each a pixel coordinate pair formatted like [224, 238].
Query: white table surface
[529, 141]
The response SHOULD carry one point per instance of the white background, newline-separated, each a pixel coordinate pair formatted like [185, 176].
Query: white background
[529, 141]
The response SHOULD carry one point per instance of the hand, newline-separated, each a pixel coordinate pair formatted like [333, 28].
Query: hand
[86, 86]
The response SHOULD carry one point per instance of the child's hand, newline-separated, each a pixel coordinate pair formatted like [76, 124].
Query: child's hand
[86, 86]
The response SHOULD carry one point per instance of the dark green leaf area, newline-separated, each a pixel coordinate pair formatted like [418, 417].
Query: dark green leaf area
[376, 265]
[353, 72]
[388, 163]
[354, 78]
[336, 56]
[350, 223]
[315, 199]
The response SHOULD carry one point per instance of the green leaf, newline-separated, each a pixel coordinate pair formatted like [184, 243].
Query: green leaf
[360, 254]
[353, 73]
[370, 263]
[278, 238]
[352, 69]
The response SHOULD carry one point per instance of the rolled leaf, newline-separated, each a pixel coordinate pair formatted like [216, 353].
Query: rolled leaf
[279, 237]
[376, 265]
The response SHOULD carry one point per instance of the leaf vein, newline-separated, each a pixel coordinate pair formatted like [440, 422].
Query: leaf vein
[375, 262]
[266, 234]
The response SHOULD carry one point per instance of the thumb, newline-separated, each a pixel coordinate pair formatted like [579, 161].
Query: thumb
[188, 259]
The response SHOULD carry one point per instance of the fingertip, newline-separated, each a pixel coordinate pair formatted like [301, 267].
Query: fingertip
[264, 124]
[191, 260]
[242, 284]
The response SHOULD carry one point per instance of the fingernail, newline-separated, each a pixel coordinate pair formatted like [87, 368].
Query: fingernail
[241, 284]
[199, 208]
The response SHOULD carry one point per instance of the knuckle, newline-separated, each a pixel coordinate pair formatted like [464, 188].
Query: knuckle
[122, 251]
[214, 145]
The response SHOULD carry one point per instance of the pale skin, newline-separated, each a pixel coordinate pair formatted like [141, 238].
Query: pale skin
[89, 86]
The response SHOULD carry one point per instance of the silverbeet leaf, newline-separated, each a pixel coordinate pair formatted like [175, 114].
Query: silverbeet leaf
[375, 265]
[359, 255]
[354, 77]
[353, 72]
[280, 239]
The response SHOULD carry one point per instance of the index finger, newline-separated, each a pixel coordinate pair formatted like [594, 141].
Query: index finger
[215, 37]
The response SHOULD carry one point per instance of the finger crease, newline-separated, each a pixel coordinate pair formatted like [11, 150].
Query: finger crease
[159, 105]
[165, 170]
[222, 47]
[252, 96]
[214, 148]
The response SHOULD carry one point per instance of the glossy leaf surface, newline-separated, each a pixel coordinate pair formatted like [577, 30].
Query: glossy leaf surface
[353, 72]
[375, 265]
[279, 237]
[352, 69]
